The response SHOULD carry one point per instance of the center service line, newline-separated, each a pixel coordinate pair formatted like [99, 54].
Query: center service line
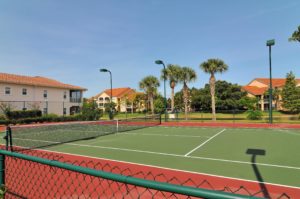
[204, 143]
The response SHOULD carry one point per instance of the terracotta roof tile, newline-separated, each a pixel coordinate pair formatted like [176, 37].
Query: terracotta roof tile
[276, 82]
[255, 90]
[35, 81]
[117, 92]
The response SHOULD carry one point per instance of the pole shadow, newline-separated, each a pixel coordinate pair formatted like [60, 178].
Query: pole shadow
[254, 153]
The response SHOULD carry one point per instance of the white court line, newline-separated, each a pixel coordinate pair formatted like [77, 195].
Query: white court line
[134, 163]
[168, 135]
[201, 145]
[193, 172]
[170, 154]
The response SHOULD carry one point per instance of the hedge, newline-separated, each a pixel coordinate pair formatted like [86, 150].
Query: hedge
[15, 115]
[42, 119]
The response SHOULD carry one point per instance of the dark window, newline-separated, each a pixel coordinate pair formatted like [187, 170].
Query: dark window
[24, 91]
[65, 94]
[65, 111]
[7, 90]
[45, 94]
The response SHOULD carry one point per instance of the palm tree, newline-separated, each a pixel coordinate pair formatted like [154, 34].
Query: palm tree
[186, 75]
[149, 84]
[213, 66]
[171, 73]
[296, 35]
[276, 96]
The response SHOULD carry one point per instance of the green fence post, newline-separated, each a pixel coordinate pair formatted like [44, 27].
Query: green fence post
[6, 138]
[2, 170]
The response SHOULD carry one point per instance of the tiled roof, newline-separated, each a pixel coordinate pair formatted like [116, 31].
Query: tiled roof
[35, 81]
[255, 90]
[117, 92]
[276, 82]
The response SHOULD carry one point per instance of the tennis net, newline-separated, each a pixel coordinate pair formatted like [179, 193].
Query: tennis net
[45, 135]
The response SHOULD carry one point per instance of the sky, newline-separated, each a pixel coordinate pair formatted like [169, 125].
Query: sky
[70, 40]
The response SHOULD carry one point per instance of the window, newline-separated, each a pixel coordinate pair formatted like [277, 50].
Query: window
[45, 111]
[100, 104]
[65, 94]
[101, 98]
[7, 90]
[65, 111]
[24, 91]
[45, 94]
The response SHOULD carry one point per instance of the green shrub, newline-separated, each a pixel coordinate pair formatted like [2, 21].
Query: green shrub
[159, 106]
[4, 122]
[254, 115]
[45, 118]
[90, 111]
[2, 117]
[23, 114]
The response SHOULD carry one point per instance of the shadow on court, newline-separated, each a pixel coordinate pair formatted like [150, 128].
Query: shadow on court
[254, 153]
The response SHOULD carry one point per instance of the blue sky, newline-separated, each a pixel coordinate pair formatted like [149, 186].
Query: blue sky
[70, 40]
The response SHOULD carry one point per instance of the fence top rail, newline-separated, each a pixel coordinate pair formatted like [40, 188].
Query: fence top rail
[161, 186]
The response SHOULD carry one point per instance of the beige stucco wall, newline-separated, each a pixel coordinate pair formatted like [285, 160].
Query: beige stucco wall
[121, 106]
[35, 98]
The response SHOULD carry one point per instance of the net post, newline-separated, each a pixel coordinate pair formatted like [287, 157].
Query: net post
[117, 125]
[9, 138]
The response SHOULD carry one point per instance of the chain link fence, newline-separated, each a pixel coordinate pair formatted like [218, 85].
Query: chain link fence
[234, 116]
[56, 176]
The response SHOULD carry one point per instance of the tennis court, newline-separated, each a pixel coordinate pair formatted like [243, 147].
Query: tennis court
[216, 151]
[270, 156]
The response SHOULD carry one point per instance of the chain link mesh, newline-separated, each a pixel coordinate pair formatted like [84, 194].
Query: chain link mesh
[26, 179]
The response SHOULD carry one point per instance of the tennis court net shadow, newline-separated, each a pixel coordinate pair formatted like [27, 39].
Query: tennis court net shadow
[254, 153]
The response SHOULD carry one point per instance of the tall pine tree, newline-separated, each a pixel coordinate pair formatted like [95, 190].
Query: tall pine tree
[291, 94]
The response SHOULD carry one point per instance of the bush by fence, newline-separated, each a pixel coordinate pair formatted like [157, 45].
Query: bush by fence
[45, 118]
[15, 115]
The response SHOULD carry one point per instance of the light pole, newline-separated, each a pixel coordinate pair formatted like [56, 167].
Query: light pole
[106, 70]
[270, 43]
[160, 62]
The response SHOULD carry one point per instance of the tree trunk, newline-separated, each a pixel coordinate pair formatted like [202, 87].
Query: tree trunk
[152, 104]
[212, 81]
[185, 100]
[172, 96]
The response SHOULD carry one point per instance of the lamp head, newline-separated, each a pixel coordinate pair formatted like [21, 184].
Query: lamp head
[103, 70]
[159, 62]
[271, 42]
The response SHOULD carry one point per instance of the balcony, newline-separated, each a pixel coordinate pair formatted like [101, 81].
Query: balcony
[75, 100]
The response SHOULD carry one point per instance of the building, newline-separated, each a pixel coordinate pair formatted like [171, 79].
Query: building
[258, 88]
[50, 96]
[122, 97]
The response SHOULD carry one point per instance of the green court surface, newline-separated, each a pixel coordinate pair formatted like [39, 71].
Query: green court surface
[217, 151]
